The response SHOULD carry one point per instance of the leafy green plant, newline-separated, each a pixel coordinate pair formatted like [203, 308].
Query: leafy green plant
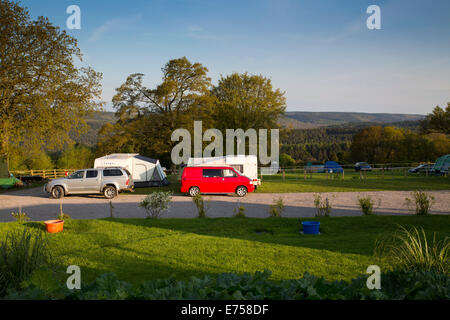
[397, 285]
[21, 253]
[277, 208]
[20, 216]
[422, 202]
[409, 249]
[156, 203]
[367, 204]
[239, 211]
[201, 205]
[323, 206]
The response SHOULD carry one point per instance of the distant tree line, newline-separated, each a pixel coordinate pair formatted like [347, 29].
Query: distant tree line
[408, 141]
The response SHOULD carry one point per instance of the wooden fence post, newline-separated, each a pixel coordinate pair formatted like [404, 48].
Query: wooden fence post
[283, 175]
[304, 173]
[342, 174]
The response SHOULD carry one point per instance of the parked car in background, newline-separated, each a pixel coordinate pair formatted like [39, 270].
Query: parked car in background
[362, 166]
[333, 167]
[109, 181]
[422, 168]
[315, 168]
[195, 180]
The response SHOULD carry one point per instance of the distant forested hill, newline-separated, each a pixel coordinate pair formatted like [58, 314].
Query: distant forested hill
[316, 135]
[95, 122]
[320, 119]
[329, 143]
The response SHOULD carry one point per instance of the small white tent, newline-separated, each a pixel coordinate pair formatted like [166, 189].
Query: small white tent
[144, 171]
[247, 165]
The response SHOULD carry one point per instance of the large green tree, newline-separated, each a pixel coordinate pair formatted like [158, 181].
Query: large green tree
[43, 95]
[148, 116]
[438, 121]
[247, 101]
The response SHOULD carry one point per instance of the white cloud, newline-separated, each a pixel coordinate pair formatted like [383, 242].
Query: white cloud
[112, 26]
[198, 32]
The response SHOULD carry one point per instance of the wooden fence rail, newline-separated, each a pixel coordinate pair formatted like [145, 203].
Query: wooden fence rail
[44, 173]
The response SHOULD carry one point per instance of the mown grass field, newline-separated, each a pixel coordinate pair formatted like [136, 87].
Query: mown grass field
[296, 182]
[142, 249]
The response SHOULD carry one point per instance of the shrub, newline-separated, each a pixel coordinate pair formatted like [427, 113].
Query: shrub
[156, 203]
[202, 207]
[277, 208]
[20, 216]
[396, 285]
[408, 249]
[21, 253]
[323, 206]
[366, 205]
[422, 202]
[239, 212]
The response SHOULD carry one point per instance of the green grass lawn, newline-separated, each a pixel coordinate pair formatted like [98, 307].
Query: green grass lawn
[142, 249]
[295, 182]
[351, 182]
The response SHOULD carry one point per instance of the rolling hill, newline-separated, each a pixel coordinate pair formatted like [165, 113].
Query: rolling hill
[295, 120]
[307, 120]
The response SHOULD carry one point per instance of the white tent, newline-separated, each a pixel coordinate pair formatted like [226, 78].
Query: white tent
[247, 165]
[144, 171]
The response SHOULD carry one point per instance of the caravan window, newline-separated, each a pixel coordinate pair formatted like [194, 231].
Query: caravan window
[112, 173]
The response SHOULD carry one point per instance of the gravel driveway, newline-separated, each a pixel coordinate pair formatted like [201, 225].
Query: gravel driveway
[38, 206]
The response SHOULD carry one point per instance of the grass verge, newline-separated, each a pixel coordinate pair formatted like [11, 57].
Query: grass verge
[142, 249]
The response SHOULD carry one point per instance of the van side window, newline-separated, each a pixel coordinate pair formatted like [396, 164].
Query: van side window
[112, 173]
[91, 174]
[212, 173]
[229, 173]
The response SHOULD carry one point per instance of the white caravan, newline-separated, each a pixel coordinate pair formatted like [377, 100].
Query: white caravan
[145, 171]
[247, 165]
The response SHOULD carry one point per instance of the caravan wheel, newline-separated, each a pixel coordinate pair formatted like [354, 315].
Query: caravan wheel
[193, 191]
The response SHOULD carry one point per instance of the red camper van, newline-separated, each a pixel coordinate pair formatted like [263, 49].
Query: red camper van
[196, 180]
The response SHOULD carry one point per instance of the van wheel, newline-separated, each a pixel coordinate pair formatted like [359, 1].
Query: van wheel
[193, 191]
[241, 191]
[57, 192]
[109, 192]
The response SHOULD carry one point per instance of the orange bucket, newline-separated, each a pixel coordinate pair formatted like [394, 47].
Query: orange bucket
[54, 226]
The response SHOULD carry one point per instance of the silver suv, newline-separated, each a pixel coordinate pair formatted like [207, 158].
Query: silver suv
[109, 181]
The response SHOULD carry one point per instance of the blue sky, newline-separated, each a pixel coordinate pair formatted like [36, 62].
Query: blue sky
[319, 52]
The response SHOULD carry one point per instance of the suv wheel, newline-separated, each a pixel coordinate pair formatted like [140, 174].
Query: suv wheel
[193, 191]
[241, 191]
[109, 192]
[57, 192]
